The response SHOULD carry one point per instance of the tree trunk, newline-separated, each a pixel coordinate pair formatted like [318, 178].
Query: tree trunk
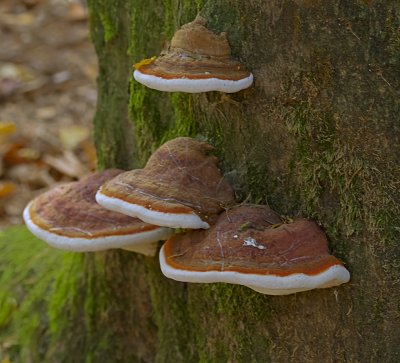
[316, 136]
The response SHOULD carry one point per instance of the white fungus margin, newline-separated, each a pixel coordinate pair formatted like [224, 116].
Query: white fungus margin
[137, 242]
[192, 85]
[265, 284]
[172, 220]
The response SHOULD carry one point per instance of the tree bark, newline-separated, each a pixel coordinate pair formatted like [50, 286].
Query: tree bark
[316, 136]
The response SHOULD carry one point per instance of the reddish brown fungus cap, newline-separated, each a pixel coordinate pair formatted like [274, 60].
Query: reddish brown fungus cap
[197, 61]
[249, 245]
[68, 217]
[180, 187]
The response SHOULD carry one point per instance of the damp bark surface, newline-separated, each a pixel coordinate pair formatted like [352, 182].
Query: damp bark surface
[317, 136]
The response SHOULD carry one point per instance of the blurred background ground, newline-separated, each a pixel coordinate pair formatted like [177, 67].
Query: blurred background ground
[47, 99]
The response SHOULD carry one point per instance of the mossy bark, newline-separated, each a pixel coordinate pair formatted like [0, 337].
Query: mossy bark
[318, 135]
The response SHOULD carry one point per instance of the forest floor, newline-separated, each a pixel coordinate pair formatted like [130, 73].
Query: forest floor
[48, 75]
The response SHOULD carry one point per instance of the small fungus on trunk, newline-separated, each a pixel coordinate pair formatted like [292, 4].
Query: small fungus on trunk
[197, 61]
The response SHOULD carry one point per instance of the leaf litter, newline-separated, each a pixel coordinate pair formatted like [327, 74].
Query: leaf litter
[47, 99]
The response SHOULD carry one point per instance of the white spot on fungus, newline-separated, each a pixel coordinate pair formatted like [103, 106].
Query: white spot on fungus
[251, 242]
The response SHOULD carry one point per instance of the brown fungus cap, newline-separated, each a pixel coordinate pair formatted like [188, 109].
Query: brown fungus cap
[195, 38]
[68, 217]
[249, 245]
[197, 61]
[180, 187]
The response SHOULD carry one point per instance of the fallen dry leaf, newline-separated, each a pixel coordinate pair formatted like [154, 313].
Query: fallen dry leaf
[72, 136]
[7, 188]
[23, 19]
[19, 153]
[47, 83]
[7, 128]
[32, 176]
[8, 87]
[15, 204]
[67, 164]
[76, 12]
[89, 153]
[24, 79]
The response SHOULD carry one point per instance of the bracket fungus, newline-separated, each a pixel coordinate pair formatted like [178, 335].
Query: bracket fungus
[67, 217]
[197, 61]
[180, 187]
[248, 245]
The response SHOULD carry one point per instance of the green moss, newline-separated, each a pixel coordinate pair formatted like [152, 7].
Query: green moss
[79, 296]
[109, 26]
[149, 110]
[110, 29]
[177, 13]
[108, 21]
[65, 291]
[183, 120]
[52, 303]
[218, 311]
[150, 123]
[221, 16]
[322, 168]
[171, 21]
[175, 332]
[28, 271]
[328, 173]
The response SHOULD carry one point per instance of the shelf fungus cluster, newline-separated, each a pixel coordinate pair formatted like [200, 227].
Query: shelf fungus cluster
[182, 187]
[197, 60]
